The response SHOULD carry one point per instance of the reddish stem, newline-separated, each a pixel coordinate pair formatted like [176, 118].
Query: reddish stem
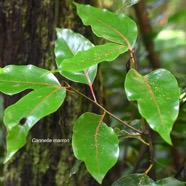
[90, 86]
[96, 137]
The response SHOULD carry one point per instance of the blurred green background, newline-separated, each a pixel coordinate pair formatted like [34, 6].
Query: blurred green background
[168, 22]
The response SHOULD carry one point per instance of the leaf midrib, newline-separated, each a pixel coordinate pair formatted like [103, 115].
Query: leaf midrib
[113, 29]
[153, 98]
[31, 83]
[118, 47]
[43, 100]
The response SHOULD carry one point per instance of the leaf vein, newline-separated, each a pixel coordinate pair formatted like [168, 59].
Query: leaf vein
[34, 83]
[119, 33]
[96, 140]
[43, 100]
[153, 98]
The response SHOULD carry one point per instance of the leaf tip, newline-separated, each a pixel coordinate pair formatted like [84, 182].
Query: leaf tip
[9, 155]
[166, 138]
[98, 177]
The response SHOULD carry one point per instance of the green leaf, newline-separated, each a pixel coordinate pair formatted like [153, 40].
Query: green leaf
[45, 98]
[169, 182]
[157, 95]
[67, 45]
[85, 59]
[15, 79]
[144, 180]
[117, 28]
[95, 143]
[134, 179]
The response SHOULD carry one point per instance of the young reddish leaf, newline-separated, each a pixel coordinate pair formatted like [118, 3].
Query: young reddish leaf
[157, 95]
[117, 28]
[95, 143]
[67, 45]
[46, 97]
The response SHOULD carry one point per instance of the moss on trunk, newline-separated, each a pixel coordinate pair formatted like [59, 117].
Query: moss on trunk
[27, 34]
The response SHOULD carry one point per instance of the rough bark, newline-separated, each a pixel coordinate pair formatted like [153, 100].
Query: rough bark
[27, 34]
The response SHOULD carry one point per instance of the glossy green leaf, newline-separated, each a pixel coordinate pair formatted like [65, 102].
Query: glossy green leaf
[134, 180]
[14, 79]
[117, 28]
[169, 182]
[144, 180]
[46, 97]
[95, 143]
[157, 95]
[67, 45]
[85, 59]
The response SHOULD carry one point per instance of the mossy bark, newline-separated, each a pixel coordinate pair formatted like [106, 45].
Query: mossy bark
[27, 34]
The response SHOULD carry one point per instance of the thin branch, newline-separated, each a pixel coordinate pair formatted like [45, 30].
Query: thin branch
[131, 52]
[109, 113]
[145, 173]
[148, 170]
[90, 85]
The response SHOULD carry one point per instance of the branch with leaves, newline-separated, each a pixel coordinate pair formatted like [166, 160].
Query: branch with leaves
[94, 143]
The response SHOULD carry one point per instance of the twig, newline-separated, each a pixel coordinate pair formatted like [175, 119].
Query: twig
[131, 52]
[90, 85]
[148, 170]
[145, 173]
[109, 113]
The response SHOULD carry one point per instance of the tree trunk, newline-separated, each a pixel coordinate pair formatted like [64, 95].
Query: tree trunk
[147, 33]
[27, 34]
